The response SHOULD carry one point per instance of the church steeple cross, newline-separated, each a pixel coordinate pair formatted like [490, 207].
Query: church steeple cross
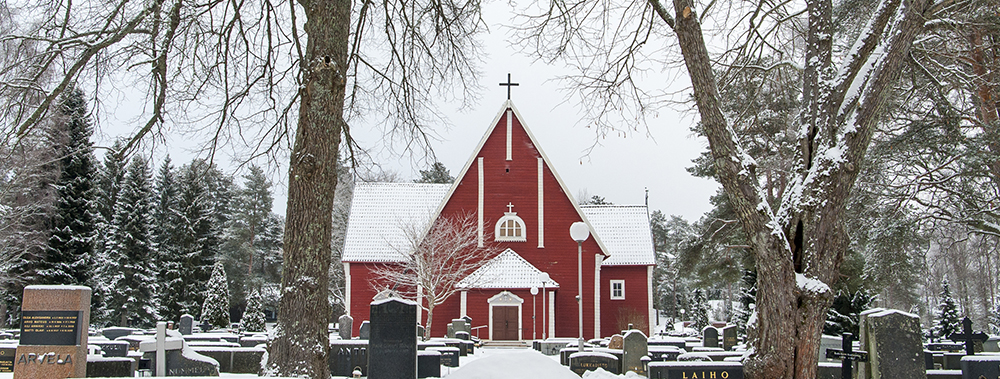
[508, 85]
[510, 207]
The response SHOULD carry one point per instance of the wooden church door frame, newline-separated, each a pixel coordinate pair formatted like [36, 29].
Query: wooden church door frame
[507, 299]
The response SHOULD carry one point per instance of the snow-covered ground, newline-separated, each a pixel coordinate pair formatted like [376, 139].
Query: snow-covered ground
[490, 363]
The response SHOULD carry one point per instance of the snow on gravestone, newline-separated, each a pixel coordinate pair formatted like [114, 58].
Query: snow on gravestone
[346, 325]
[710, 337]
[54, 325]
[892, 340]
[392, 346]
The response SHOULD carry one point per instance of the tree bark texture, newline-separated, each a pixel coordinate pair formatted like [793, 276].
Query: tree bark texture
[301, 343]
[804, 242]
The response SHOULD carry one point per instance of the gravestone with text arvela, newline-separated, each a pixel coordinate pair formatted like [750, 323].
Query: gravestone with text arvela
[54, 324]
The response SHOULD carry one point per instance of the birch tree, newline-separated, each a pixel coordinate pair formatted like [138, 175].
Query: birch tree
[300, 70]
[798, 241]
[436, 261]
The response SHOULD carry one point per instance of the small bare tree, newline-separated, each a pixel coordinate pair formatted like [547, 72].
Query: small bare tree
[435, 260]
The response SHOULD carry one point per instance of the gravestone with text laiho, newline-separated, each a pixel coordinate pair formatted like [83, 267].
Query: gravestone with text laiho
[54, 324]
[392, 346]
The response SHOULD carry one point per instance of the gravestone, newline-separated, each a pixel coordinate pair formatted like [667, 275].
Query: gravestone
[710, 337]
[450, 332]
[187, 324]
[581, 362]
[827, 342]
[7, 359]
[449, 355]
[364, 332]
[54, 325]
[634, 347]
[170, 355]
[729, 339]
[892, 339]
[428, 364]
[420, 331]
[463, 335]
[847, 355]
[113, 348]
[114, 367]
[346, 326]
[392, 348]
[617, 342]
[973, 341]
[980, 366]
[115, 332]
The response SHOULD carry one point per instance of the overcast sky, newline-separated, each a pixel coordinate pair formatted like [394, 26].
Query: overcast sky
[620, 168]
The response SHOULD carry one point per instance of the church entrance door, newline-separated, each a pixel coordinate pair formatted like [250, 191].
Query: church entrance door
[505, 324]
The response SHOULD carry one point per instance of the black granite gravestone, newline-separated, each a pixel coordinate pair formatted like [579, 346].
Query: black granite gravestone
[186, 325]
[117, 367]
[7, 359]
[392, 346]
[428, 364]
[449, 355]
[364, 331]
[729, 339]
[710, 337]
[112, 348]
[692, 370]
[980, 366]
[592, 360]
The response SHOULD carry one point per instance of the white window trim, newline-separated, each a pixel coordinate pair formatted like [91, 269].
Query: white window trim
[520, 224]
[612, 288]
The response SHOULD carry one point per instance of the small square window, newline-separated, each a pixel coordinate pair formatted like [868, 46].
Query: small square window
[617, 290]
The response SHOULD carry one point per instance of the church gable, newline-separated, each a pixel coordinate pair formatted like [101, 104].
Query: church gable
[508, 178]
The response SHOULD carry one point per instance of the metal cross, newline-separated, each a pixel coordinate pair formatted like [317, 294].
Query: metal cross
[968, 337]
[510, 207]
[508, 85]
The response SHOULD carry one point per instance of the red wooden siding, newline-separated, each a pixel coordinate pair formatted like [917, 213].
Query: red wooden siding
[615, 313]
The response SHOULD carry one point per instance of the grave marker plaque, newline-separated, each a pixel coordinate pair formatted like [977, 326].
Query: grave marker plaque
[710, 337]
[729, 339]
[53, 333]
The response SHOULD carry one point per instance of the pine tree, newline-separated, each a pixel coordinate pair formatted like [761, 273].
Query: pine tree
[699, 310]
[198, 242]
[436, 174]
[215, 310]
[948, 321]
[167, 236]
[71, 246]
[250, 243]
[131, 251]
[253, 318]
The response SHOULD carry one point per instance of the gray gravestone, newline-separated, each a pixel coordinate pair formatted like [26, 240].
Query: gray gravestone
[980, 366]
[346, 326]
[364, 332]
[634, 347]
[103, 367]
[710, 337]
[112, 348]
[892, 339]
[186, 325]
[449, 355]
[392, 348]
[580, 363]
[450, 333]
[826, 343]
[179, 358]
[115, 332]
[463, 335]
[420, 331]
[729, 339]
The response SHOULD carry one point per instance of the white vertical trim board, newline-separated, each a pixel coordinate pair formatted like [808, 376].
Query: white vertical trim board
[541, 203]
[464, 296]
[597, 295]
[552, 314]
[649, 297]
[420, 305]
[510, 133]
[480, 204]
[347, 288]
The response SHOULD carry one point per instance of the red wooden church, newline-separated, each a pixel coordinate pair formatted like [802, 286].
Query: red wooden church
[523, 207]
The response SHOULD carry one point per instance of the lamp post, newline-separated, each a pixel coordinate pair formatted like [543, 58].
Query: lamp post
[534, 332]
[579, 231]
[544, 278]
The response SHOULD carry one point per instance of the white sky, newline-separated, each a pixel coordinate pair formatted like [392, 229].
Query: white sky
[619, 169]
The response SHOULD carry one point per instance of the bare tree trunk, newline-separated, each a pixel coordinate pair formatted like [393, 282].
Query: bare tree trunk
[304, 309]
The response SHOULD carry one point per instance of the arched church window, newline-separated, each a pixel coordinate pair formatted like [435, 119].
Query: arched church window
[510, 227]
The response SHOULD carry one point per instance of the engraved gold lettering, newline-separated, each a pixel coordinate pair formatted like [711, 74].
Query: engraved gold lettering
[711, 375]
[725, 375]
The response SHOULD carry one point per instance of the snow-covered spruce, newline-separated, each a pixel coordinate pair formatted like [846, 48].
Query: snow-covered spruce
[215, 311]
[253, 318]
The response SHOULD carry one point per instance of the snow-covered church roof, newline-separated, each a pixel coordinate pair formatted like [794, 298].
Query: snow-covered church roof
[381, 211]
[625, 231]
[506, 270]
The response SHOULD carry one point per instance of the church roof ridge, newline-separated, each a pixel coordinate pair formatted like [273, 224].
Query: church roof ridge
[507, 270]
